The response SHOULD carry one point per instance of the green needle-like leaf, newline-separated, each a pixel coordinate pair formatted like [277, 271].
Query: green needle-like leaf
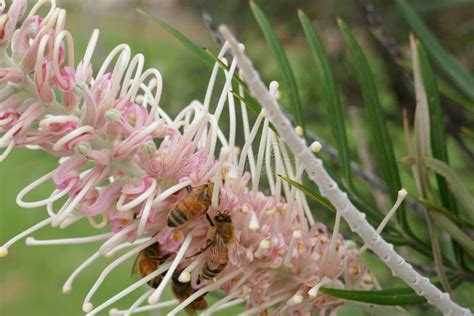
[397, 296]
[310, 193]
[288, 77]
[376, 297]
[438, 136]
[383, 147]
[180, 37]
[331, 94]
[463, 80]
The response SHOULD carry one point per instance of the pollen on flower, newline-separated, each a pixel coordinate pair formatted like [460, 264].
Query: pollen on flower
[3, 252]
[177, 235]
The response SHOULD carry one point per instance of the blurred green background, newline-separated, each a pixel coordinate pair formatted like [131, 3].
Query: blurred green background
[31, 278]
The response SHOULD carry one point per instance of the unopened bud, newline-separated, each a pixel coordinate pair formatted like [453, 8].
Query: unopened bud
[149, 147]
[113, 115]
[83, 148]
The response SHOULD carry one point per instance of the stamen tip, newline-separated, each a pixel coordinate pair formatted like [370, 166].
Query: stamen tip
[67, 289]
[313, 292]
[254, 225]
[274, 85]
[114, 312]
[299, 130]
[232, 176]
[87, 307]
[3, 252]
[184, 277]
[29, 241]
[295, 299]
[265, 244]
[152, 300]
[316, 147]
[402, 193]
[297, 234]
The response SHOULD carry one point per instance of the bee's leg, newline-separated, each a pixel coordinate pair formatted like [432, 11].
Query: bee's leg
[210, 242]
[209, 219]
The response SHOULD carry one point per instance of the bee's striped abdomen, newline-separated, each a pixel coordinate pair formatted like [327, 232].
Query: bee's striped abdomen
[176, 218]
[208, 273]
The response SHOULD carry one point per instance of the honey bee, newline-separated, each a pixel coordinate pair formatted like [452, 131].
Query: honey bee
[183, 290]
[148, 261]
[218, 248]
[195, 203]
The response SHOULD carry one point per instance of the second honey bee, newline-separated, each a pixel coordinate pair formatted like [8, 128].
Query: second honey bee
[217, 250]
[184, 290]
[148, 261]
[194, 204]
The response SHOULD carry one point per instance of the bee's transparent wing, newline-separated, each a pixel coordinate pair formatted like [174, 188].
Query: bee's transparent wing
[239, 256]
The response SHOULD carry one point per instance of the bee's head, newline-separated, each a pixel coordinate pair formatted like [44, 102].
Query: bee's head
[223, 217]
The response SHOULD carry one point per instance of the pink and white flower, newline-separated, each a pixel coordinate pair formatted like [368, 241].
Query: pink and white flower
[122, 158]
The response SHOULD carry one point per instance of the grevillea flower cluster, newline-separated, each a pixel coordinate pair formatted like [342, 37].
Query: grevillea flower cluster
[124, 163]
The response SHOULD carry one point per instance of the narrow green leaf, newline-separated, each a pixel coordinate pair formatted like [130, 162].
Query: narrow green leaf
[457, 188]
[384, 152]
[198, 51]
[423, 149]
[310, 193]
[376, 297]
[331, 94]
[459, 76]
[252, 104]
[452, 229]
[396, 296]
[226, 67]
[438, 135]
[422, 123]
[283, 63]
[248, 101]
